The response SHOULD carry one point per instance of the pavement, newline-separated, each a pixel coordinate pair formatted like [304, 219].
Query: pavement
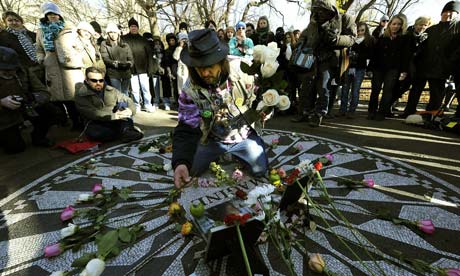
[421, 161]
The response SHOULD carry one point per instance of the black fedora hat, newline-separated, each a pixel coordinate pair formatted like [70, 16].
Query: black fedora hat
[204, 49]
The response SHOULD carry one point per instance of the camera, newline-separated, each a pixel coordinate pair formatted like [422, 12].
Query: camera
[26, 107]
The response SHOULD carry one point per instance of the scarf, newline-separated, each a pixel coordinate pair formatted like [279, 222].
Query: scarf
[26, 42]
[50, 32]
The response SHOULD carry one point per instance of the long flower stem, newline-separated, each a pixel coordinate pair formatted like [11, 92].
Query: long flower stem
[243, 250]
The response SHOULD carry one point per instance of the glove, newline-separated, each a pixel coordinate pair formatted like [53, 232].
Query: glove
[124, 114]
[9, 103]
[115, 63]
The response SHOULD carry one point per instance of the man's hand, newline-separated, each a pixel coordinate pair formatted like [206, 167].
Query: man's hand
[9, 103]
[181, 176]
[122, 114]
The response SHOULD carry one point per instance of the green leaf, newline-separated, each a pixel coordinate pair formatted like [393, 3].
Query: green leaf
[244, 67]
[124, 235]
[107, 242]
[100, 218]
[323, 160]
[83, 260]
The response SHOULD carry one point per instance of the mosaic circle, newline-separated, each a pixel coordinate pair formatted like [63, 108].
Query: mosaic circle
[30, 217]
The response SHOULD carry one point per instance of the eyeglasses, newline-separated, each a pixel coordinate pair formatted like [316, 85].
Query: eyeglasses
[95, 80]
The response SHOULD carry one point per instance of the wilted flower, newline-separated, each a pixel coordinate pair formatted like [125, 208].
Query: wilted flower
[69, 230]
[174, 208]
[95, 267]
[241, 194]
[270, 97]
[426, 226]
[97, 188]
[269, 69]
[298, 147]
[452, 272]
[186, 228]
[84, 197]
[167, 167]
[67, 213]
[237, 175]
[53, 250]
[329, 157]
[369, 182]
[316, 263]
[284, 103]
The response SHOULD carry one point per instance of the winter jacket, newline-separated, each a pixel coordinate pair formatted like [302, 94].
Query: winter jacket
[389, 54]
[360, 53]
[92, 107]
[440, 52]
[247, 46]
[121, 52]
[335, 34]
[64, 66]
[142, 54]
[11, 41]
[26, 84]
[212, 114]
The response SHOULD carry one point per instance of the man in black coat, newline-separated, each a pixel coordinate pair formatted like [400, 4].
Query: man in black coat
[142, 67]
[440, 53]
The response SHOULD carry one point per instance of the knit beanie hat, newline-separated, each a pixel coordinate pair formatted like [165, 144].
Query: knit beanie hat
[86, 27]
[240, 24]
[48, 7]
[181, 36]
[112, 28]
[452, 6]
[97, 28]
[133, 21]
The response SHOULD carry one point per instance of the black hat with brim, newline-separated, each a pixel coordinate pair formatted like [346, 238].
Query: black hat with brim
[204, 49]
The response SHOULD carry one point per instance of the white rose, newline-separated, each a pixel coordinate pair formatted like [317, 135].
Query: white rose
[284, 103]
[57, 273]
[95, 267]
[269, 69]
[271, 97]
[69, 230]
[271, 52]
[84, 197]
[258, 53]
[167, 167]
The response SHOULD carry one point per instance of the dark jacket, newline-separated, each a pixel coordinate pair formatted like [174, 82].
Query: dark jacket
[335, 34]
[121, 53]
[92, 107]
[141, 53]
[360, 53]
[440, 52]
[25, 85]
[168, 59]
[391, 54]
[11, 41]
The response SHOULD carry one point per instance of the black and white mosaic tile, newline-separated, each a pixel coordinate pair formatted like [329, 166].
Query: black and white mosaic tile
[29, 218]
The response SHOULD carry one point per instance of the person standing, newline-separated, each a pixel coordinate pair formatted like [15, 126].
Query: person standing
[142, 67]
[240, 45]
[169, 78]
[57, 50]
[262, 34]
[118, 59]
[182, 70]
[438, 58]
[380, 29]
[210, 123]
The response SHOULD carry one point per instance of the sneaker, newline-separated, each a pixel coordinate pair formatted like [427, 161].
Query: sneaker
[131, 134]
[167, 107]
[316, 120]
[150, 109]
[299, 119]
[138, 109]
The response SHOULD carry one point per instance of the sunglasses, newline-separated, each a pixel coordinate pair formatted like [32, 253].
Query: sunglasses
[241, 28]
[385, 20]
[97, 80]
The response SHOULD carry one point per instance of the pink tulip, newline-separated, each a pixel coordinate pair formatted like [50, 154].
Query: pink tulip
[369, 182]
[53, 250]
[453, 272]
[97, 188]
[426, 226]
[68, 213]
[237, 175]
[281, 172]
[329, 157]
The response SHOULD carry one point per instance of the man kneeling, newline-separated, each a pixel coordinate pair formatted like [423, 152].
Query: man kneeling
[107, 111]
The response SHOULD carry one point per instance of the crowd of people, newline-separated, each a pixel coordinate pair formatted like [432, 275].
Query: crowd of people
[99, 81]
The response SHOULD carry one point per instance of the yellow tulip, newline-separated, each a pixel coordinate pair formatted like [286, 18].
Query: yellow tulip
[316, 263]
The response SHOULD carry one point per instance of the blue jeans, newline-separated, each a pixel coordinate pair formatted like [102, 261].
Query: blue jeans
[140, 83]
[251, 150]
[121, 85]
[156, 81]
[355, 79]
